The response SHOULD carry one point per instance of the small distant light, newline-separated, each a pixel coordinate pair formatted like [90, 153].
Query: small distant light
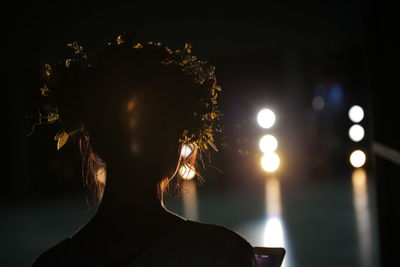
[270, 162]
[356, 132]
[131, 105]
[336, 94]
[318, 103]
[266, 118]
[186, 150]
[268, 143]
[357, 158]
[356, 113]
[187, 172]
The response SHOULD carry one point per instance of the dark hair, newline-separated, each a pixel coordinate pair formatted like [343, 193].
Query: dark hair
[72, 85]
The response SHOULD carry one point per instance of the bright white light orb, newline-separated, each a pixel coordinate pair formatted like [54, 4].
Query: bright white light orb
[268, 143]
[187, 172]
[357, 158]
[266, 118]
[186, 150]
[270, 162]
[356, 113]
[356, 132]
[273, 235]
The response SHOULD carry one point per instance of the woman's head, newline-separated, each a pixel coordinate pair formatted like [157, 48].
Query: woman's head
[135, 105]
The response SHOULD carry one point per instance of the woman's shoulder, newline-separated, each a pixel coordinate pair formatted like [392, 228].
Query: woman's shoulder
[215, 237]
[214, 242]
[216, 232]
[54, 254]
[218, 245]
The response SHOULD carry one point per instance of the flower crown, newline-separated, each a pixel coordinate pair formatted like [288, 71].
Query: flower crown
[201, 73]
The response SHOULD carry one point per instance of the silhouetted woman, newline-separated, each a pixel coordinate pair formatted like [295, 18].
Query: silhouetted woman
[131, 110]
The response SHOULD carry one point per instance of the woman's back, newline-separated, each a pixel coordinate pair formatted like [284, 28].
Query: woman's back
[188, 244]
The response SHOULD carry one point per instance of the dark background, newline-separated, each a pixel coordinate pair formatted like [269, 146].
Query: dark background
[279, 54]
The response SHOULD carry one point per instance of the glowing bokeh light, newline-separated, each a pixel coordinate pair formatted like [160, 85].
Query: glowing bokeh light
[187, 172]
[357, 158]
[356, 132]
[101, 175]
[273, 234]
[266, 118]
[186, 150]
[268, 143]
[270, 162]
[356, 113]
[318, 103]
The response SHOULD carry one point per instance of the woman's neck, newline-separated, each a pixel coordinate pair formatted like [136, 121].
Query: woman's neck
[130, 217]
[131, 196]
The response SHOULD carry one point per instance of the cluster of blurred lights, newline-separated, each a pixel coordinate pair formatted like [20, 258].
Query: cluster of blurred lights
[356, 134]
[268, 144]
[186, 171]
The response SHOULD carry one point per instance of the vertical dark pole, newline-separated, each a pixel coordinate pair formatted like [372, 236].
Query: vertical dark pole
[383, 65]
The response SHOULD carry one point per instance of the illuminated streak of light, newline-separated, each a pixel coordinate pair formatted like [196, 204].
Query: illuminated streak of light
[363, 217]
[189, 192]
[273, 196]
[274, 235]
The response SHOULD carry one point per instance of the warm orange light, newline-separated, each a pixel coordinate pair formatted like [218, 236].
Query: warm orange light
[270, 162]
[101, 175]
[359, 179]
[363, 215]
[187, 172]
[131, 105]
[273, 196]
[357, 158]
